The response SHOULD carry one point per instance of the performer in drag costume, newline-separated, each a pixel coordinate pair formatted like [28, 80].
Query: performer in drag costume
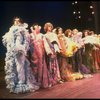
[19, 77]
[38, 58]
[65, 68]
[68, 49]
[73, 48]
[96, 51]
[55, 47]
[89, 42]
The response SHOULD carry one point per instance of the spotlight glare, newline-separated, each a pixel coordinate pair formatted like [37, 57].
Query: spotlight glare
[76, 2]
[79, 17]
[91, 6]
[92, 12]
[79, 12]
[74, 12]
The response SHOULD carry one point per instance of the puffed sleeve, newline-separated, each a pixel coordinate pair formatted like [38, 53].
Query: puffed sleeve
[46, 46]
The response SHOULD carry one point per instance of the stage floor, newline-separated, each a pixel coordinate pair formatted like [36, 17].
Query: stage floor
[84, 88]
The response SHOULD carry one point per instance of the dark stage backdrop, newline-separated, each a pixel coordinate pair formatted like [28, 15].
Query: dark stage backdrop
[57, 12]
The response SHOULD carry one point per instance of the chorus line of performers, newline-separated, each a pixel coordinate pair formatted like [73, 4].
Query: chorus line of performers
[36, 60]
